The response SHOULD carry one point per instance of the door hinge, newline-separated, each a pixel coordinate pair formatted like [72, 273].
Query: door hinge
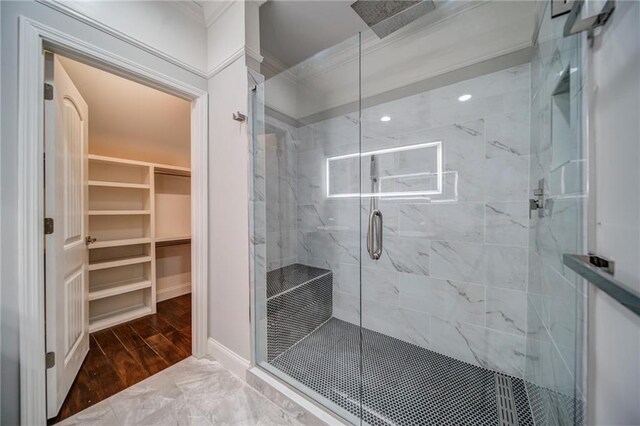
[48, 91]
[48, 226]
[50, 359]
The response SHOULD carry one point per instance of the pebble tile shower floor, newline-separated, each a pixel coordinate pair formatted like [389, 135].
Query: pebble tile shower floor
[402, 384]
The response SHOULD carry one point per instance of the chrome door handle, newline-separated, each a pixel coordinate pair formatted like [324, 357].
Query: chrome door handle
[374, 235]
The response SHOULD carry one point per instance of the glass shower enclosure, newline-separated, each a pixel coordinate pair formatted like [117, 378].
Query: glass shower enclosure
[412, 198]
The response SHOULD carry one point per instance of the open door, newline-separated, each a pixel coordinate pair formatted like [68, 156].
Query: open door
[66, 254]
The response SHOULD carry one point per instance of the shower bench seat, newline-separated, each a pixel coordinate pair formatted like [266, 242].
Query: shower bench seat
[299, 300]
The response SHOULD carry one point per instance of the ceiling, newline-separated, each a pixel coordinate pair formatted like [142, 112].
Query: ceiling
[292, 31]
[127, 113]
[443, 43]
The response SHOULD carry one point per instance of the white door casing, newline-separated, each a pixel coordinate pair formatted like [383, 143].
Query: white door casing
[66, 254]
[33, 35]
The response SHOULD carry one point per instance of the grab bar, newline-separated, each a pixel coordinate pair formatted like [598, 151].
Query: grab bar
[374, 235]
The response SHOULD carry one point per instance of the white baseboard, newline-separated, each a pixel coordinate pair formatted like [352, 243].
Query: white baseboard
[174, 291]
[229, 359]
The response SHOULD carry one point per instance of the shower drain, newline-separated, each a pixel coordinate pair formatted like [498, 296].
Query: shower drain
[506, 403]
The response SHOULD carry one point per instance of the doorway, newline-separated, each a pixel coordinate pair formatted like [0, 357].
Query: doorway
[117, 186]
[34, 38]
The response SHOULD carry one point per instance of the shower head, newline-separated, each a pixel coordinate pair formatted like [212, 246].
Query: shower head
[374, 168]
[387, 16]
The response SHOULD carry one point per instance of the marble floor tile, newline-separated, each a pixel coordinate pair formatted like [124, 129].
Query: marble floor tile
[178, 412]
[191, 392]
[141, 400]
[98, 414]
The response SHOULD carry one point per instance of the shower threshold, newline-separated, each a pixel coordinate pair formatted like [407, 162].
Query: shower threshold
[402, 384]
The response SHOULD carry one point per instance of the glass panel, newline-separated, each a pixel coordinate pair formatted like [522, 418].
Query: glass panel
[306, 241]
[400, 276]
[556, 296]
[449, 137]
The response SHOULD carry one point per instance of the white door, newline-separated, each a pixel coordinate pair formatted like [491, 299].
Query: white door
[66, 256]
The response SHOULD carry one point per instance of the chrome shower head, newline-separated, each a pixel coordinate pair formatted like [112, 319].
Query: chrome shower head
[387, 16]
[373, 170]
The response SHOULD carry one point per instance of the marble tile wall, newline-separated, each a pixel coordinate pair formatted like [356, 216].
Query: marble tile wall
[280, 203]
[555, 296]
[453, 275]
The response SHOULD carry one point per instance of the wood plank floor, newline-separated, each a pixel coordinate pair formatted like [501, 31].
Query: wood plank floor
[123, 355]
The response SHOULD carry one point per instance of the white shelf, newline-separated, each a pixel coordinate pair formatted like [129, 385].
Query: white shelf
[161, 168]
[118, 212]
[119, 243]
[115, 160]
[123, 214]
[107, 320]
[104, 184]
[172, 170]
[124, 261]
[172, 239]
[121, 287]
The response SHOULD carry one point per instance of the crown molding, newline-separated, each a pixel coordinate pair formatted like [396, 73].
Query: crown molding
[273, 67]
[190, 9]
[225, 63]
[272, 64]
[253, 54]
[63, 7]
[325, 61]
[494, 62]
[244, 51]
[213, 10]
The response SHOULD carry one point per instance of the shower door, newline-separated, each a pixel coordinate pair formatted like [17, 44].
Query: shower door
[412, 197]
[306, 228]
[472, 188]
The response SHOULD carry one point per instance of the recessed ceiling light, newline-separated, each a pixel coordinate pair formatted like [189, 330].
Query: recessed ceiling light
[464, 98]
[385, 118]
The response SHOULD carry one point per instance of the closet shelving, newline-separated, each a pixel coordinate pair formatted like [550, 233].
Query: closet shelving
[122, 220]
[173, 229]
[118, 212]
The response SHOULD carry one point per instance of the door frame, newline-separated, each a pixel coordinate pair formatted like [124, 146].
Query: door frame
[34, 37]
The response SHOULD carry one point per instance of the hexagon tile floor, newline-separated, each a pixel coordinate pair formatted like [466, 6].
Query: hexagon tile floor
[402, 384]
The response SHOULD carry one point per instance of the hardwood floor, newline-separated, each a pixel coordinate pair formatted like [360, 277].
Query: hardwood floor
[123, 355]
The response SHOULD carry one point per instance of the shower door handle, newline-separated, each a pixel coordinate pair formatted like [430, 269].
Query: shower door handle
[374, 235]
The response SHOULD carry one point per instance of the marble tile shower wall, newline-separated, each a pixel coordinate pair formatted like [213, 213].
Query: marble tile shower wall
[555, 295]
[453, 275]
[280, 193]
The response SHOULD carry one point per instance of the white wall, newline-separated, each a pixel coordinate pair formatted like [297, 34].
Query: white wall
[228, 212]
[175, 28]
[10, 407]
[232, 42]
[614, 379]
[225, 35]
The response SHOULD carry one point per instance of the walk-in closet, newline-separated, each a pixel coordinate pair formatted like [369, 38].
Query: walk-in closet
[123, 222]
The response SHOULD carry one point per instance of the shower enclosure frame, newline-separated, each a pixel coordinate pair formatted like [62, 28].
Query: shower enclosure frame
[258, 118]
